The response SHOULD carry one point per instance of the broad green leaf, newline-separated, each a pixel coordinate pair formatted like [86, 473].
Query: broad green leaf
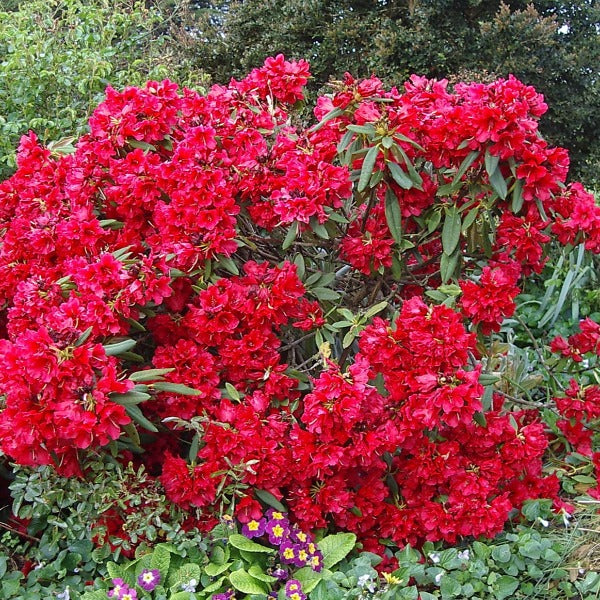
[479, 418]
[290, 236]
[470, 219]
[464, 166]
[393, 215]
[209, 589]
[349, 337]
[212, 569]
[161, 560]
[498, 183]
[194, 446]
[323, 293]
[232, 392]
[184, 573]
[507, 586]
[136, 414]
[175, 388]
[488, 379]
[491, 162]
[517, 197]
[226, 263]
[309, 579]
[375, 309]
[318, 228]
[149, 374]
[119, 347]
[131, 397]
[449, 587]
[501, 553]
[141, 144]
[399, 176]
[269, 500]
[433, 221]
[367, 168]
[244, 582]
[448, 266]
[259, 574]
[366, 129]
[346, 139]
[336, 547]
[451, 230]
[95, 595]
[243, 543]
[83, 337]
[332, 114]
[387, 142]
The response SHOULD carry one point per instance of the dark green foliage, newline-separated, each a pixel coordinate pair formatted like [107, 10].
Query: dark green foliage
[550, 44]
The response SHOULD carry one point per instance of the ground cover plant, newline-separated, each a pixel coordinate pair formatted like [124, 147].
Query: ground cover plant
[210, 310]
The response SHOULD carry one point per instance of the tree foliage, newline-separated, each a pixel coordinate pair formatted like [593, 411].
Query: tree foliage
[550, 44]
[59, 56]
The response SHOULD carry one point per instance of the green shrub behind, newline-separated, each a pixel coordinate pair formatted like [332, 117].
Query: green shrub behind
[58, 56]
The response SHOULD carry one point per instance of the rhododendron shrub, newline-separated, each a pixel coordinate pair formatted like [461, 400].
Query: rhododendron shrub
[266, 313]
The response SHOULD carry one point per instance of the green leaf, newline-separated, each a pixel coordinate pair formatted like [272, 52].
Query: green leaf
[470, 218]
[498, 183]
[131, 397]
[346, 139]
[375, 309]
[501, 553]
[349, 337]
[336, 547]
[136, 414]
[451, 230]
[488, 379]
[433, 221]
[212, 569]
[119, 347]
[506, 585]
[269, 500]
[183, 574]
[323, 293]
[149, 375]
[140, 144]
[479, 418]
[176, 388]
[319, 229]
[332, 114]
[367, 168]
[464, 166]
[194, 446]
[290, 236]
[399, 176]
[309, 579]
[243, 543]
[393, 215]
[449, 587]
[491, 162]
[448, 266]
[83, 337]
[95, 595]
[244, 582]
[366, 129]
[227, 263]
[258, 573]
[517, 197]
[387, 142]
[161, 560]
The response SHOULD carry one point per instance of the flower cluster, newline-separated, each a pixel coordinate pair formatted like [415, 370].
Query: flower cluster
[170, 288]
[296, 547]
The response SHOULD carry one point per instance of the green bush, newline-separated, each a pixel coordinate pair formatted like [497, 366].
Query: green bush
[58, 56]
